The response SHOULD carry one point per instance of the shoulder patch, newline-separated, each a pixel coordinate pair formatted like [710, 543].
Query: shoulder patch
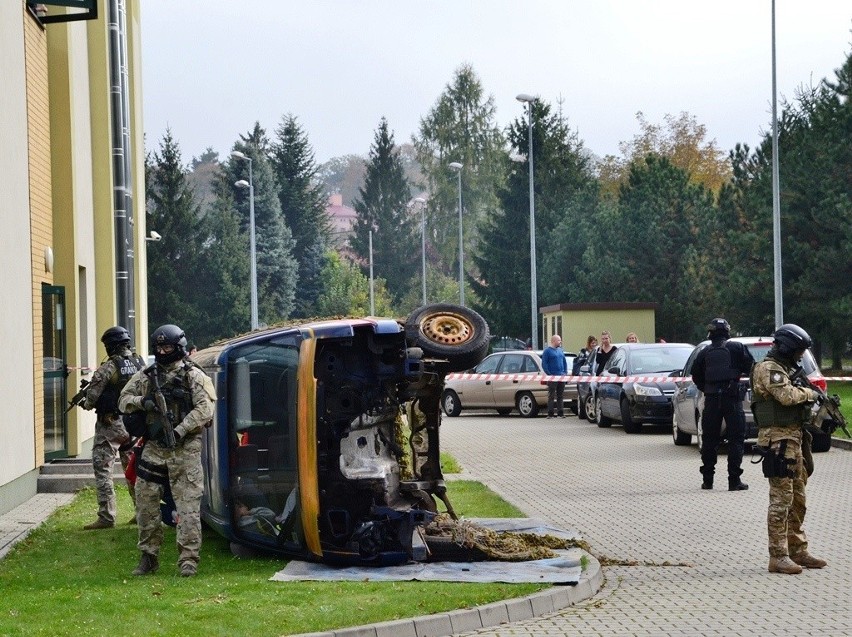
[776, 377]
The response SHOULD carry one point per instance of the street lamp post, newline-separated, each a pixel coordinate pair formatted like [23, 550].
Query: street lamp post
[458, 168]
[422, 202]
[242, 183]
[529, 99]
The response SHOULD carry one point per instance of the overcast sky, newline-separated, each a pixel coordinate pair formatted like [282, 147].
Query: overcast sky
[212, 68]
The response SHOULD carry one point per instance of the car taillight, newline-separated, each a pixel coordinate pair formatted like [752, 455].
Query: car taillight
[819, 380]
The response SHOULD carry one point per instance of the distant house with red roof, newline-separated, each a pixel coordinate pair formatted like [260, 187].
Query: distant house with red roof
[341, 220]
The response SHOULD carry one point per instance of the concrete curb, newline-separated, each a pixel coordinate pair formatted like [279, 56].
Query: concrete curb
[464, 620]
[841, 443]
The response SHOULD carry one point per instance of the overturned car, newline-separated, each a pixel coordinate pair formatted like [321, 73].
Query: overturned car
[325, 440]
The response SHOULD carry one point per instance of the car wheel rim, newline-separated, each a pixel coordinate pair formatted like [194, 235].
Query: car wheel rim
[447, 329]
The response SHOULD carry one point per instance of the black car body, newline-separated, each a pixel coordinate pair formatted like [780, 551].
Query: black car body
[324, 442]
[646, 397]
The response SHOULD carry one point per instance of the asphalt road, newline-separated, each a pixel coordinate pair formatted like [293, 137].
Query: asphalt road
[687, 561]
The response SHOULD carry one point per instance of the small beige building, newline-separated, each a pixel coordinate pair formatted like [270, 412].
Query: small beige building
[575, 322]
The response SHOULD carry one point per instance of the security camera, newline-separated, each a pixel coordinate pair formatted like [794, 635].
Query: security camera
[154, 236]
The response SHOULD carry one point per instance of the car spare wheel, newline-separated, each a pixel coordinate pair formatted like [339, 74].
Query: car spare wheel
[451, 332]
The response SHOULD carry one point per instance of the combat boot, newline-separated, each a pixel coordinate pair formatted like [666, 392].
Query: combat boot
[100, 523]
[735, 484]
[188, 569]
[784, 564]
[148, 564]
[808, 561]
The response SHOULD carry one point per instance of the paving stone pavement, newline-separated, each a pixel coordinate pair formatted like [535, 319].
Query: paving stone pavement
[701, 555]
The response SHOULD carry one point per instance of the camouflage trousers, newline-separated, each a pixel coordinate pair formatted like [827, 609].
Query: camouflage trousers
[109, 434]
[787, 506]
[182, 468]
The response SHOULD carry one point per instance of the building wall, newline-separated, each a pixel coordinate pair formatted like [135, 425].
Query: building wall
[20, 45]
[56, 160]
[41, 208]
[578, 324]
[72, 163]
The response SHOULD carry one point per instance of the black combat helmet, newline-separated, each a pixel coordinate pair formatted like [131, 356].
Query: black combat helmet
[115, 337]
[168, 335]
[718, 327]
[790, 338]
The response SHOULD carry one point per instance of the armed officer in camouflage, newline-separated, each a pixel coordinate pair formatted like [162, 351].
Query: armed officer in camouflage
[716, 372]
[110, 433]
[188, 395]
[780, 409]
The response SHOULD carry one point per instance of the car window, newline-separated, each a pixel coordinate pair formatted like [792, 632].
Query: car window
[489, 365]
[617, 360]
[759, 351]
[512, 364]
[530, 366]
[687, 368]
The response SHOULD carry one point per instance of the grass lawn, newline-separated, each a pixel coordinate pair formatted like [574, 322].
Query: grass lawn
[62, 580]
[844, 390]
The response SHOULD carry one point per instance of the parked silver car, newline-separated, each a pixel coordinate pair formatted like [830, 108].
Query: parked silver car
[688, 401]
[527, 395]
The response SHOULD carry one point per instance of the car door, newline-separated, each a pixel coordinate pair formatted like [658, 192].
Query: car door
[610, 392]
[504, 389]
[479, 392]
[685, 398]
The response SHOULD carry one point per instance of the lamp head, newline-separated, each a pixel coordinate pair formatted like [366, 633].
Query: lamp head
[238, 155]
[525, 97]
[456, 165]
[153, 235]
[242, 183]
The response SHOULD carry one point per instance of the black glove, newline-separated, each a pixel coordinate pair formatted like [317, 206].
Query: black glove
[148, 403]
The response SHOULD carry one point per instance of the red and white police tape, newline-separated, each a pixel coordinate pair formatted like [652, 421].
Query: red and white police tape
[589, 379]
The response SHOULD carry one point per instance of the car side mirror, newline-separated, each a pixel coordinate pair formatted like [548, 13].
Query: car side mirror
[584, 369]
[614, 370]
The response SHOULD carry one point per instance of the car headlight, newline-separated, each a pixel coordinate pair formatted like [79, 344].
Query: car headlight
[643, 390]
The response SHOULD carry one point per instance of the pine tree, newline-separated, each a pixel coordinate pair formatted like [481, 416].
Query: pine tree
[461, 128]
[277, 269]
[303, 204]
[173, 261]
[382, 207]
[565, 193]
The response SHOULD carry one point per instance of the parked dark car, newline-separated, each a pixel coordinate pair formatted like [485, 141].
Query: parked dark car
[641, 400]
[324, 442]
[688, 401]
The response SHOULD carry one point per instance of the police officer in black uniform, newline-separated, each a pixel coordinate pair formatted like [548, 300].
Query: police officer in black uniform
[716, 372]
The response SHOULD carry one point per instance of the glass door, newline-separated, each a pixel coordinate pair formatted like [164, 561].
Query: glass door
[55, 374]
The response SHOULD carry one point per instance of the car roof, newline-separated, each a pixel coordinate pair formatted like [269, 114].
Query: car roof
[746, 340]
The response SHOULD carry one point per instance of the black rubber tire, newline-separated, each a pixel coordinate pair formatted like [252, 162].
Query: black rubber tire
[581, 409]
[680, 438]
[821, 443]
[603, 421]
[454, 408]
[451, 332]
[591, 416]
[526, 404]
[630, 426]
[504, 411]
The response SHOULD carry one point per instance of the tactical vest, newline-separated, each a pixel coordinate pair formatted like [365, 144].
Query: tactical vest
[126, 366]
[768, 412]
[719, 371]
[178, 395]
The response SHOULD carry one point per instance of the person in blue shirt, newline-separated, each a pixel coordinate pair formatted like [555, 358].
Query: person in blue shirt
[553, 363]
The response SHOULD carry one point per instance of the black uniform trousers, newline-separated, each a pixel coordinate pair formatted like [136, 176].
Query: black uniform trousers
[717, 407]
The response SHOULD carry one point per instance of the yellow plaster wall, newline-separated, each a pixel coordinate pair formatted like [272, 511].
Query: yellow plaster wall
[41, 202]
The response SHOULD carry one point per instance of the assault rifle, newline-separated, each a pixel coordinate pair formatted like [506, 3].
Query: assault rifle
[79, 398]
[828, 410]
[166, 417]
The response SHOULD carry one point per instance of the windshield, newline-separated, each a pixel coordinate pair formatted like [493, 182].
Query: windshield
[658, 359]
